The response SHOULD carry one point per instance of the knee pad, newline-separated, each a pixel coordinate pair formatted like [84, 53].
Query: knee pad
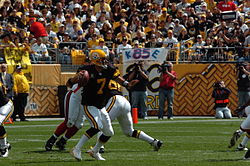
[248, 135]
[104, 138]
[2, 132]
[91, 132]
[136, 133]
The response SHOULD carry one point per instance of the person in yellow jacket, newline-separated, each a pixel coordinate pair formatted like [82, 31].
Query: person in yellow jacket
[21, 91]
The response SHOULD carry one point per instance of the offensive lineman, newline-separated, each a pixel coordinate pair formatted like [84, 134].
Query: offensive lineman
[119, 108]
[6, 110]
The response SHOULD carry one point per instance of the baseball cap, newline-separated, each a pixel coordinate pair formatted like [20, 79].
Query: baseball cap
[61, 25]
[164, 9]
[84, 4]
[199, 36]
[40, 19]
[136, 42]
[77, 5]
[101, 40]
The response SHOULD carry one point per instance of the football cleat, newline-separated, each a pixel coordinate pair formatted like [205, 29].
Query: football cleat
[247, 155]
[97, 155]
[101, 150]
[49, 144]
[241, 148]
[76, 153]
[61, 144]
[156, 144]
[4, 152]
[235, 137]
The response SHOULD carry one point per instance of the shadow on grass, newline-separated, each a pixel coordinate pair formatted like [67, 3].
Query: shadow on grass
[223, 160]
[51, 161]
[43, 151]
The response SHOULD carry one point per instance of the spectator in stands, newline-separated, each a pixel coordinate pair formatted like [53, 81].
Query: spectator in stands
[61, 32]
[177, 28]
[7, 6]
[182, 5]
[192, 27]
[153, 43]
[38, 30]
[6, 41]
[76, 33]
[98, 5]
[93, 42]
[140, 36]
[122, 47]
[197, 48]
[64, 56]
[116, 12]
[226, 5]
[39, 52]
[171, 43]
[103, 47]
[53, 39]
[123, 34]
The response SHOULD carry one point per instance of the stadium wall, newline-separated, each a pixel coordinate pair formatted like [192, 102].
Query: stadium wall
[192, 93]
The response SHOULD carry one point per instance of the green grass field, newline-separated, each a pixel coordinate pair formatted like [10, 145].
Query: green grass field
[195, 142]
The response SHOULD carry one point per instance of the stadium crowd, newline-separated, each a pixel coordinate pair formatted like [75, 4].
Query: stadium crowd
[201, 29]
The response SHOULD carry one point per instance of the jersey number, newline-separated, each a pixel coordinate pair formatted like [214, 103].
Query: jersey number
[101, 81]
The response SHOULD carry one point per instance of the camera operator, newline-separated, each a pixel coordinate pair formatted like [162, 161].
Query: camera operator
[139, 91]
[243, 83]
[166, 90]
[221, 95]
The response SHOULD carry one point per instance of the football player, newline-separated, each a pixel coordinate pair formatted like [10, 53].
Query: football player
[6, 110]
[119, 108]
[244, 127]
[74, 118]
[94, 99]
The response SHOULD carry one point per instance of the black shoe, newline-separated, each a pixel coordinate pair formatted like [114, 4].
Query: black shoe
[24, 120]
[61, 144]
[4, 152]
[101, 150]
[247, 155]
[156, 144]
[49, 144]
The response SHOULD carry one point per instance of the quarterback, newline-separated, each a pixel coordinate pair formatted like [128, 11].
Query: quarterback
[94, 98]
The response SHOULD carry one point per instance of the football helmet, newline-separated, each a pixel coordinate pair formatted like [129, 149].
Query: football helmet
[98, 57]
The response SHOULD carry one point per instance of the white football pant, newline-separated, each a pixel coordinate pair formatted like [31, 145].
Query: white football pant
[6, 111]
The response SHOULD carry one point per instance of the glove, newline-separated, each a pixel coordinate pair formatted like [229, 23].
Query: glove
[70, 123]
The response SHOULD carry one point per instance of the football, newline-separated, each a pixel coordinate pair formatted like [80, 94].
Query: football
[83, 77]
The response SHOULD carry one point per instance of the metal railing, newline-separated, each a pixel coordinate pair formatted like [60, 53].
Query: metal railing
[184, 53]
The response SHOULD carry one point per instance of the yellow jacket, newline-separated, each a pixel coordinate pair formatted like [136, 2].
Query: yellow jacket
[21, 84]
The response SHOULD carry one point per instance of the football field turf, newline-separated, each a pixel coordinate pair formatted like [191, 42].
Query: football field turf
[187, 142]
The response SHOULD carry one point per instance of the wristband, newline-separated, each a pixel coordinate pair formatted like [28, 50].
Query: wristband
[125, 83]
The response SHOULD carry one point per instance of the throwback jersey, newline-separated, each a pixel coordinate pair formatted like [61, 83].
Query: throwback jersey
[96, 92]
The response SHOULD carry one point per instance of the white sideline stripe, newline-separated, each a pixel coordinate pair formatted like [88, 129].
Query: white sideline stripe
[146, 122]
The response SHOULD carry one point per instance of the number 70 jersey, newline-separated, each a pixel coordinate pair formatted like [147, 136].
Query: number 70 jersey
[96, 91]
